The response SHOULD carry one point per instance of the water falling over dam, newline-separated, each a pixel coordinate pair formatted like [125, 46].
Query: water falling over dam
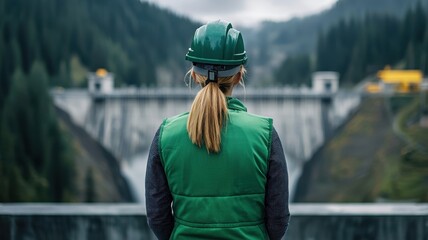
[125, 121]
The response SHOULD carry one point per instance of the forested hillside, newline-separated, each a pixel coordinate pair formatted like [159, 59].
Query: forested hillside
[358, 47]
[135, 40]
[369, 157]
[300, 34]
[35, 157]
[49, 43]
[273, 42]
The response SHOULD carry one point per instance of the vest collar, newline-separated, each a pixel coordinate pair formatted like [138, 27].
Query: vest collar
[235, 104]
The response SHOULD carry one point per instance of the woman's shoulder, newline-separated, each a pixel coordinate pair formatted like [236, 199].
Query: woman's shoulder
[266, 118]
[246, 117]
[176, 119]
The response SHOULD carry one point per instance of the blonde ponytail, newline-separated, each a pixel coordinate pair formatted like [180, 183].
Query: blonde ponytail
[209, 111]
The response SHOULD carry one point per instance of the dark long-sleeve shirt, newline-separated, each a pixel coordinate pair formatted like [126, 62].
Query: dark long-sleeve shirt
[159, 198]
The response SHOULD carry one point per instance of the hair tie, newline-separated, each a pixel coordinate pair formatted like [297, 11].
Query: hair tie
[210, 81]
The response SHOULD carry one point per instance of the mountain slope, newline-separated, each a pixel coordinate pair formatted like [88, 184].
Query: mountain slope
[133, 39]
[55, 42]
[273, 41]
[98, 176]
[379, 155]
[353, 161]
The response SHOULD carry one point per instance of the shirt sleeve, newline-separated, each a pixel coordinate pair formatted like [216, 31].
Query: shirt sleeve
[158, 195]
[276, 200]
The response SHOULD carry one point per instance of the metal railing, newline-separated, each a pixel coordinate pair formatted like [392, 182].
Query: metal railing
[128, 221]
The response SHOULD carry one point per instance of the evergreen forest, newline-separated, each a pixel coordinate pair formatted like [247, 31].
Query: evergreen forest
[54, 43]
[358, 48]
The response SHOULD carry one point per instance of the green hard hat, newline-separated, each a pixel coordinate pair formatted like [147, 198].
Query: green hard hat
[217, 43]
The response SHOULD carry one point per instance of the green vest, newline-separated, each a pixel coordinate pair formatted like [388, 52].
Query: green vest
[218, 195]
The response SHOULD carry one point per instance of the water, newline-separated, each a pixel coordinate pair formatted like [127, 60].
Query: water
[135, 171]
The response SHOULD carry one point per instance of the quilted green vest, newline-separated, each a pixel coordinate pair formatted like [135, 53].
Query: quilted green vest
[218, 195]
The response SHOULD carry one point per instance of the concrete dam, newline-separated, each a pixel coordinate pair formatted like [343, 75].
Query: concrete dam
[125, 120]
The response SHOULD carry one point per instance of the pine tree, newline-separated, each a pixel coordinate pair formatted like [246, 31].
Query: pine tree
[33, 152]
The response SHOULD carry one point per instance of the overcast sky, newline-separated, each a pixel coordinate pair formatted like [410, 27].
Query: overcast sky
[244, 12]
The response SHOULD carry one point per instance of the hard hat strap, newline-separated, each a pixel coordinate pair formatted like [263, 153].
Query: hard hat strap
[215, 72]
[212, 76]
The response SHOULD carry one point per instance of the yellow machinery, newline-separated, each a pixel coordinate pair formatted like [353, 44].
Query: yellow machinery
[404, 80]
[373, 88]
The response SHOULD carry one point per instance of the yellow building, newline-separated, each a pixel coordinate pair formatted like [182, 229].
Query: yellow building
[403, 80]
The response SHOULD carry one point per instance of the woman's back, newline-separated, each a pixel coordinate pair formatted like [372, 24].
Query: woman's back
[222, 192]
[222, 169]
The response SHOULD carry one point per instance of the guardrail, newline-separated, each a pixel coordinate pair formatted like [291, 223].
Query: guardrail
[185, 93]
[128, 221]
